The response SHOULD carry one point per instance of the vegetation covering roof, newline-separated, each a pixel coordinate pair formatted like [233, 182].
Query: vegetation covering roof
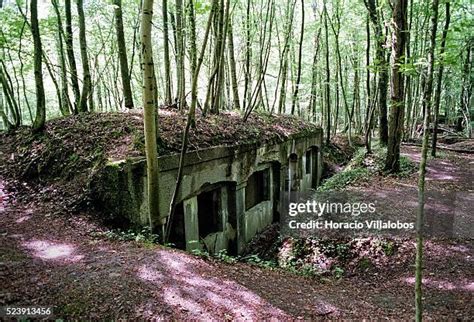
[81, 141]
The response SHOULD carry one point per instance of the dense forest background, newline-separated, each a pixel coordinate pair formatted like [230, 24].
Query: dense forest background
[327, 61]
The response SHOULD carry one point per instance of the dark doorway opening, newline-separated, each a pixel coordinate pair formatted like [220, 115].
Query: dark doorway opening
[257, 189]
[314, 167]
[309, 161]
[293, 176]
[208, 212]
[177, 234]
[276, 181]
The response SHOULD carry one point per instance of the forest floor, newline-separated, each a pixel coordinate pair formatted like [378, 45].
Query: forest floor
[52, 257]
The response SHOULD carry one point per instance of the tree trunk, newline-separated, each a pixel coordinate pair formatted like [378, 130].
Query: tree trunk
[57, 87]
[149, 119]
[368, 99]
[233, 69]
[397, 99]
[265, 40]
[65, 104]
[300, 53]
[70, 55]
[356, 108]
[6, 122]
[424, 153]
[314, 71]
[340, 79]
[328, 77]
[465, 108]
[214, 88]
[192, 37]
[40, 117]
[248, 57]
[12, 104]
[284, 57]
[408, 78]
[86, 85]
[180, 55]
[437, 97]
[166, 52]
[220, 45]
[122, 53]
[22, 68]
[382, 70]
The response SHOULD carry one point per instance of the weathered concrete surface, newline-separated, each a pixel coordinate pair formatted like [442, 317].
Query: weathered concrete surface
[256, 219]
[120, 189]
[191, 223]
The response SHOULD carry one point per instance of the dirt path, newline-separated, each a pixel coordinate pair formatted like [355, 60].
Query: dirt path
[47, 260]
[58, 260]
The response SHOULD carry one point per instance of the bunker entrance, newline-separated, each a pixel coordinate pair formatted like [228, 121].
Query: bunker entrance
[311, 166]
[177, 234]
[293, 175]
[209, 214]
[258, 188]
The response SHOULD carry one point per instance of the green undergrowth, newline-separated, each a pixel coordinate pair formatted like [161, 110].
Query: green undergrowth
[440, 154]
[344, 178]
[338, 153]
[141, 235]
[355, 171]
[363, 166]
[336, 257]
[309, 257]
[320, 258]
[224, 257]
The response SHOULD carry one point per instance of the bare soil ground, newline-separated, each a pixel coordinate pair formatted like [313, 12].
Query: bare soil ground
[52, 256]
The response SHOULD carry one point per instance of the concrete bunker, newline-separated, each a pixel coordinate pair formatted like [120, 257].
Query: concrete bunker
[257, 189]
[261, 201]
[228, 193]
[294, 175]
[310, 175]
[209, 219]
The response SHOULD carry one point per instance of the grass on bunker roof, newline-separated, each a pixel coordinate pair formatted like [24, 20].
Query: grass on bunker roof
[75, 143]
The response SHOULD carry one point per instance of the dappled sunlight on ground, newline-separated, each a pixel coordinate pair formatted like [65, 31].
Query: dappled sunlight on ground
[437, 169]
[48, 250]
[459, 248]
[24, 216]
[22, 219]
[442, 284]
[469, 287]
[445, 175]
[440, 250]
[447, 212]
[3, 197]
[195, 291]
[149, 274]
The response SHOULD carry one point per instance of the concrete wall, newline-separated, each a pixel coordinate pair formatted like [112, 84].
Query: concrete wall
[120, 189]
